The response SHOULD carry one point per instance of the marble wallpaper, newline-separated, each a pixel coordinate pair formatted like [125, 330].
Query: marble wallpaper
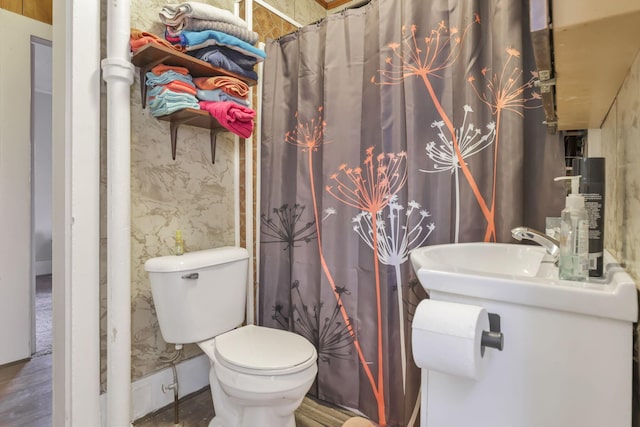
[620, 144]
[190, 194]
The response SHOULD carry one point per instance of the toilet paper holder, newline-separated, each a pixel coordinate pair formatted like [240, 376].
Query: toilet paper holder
[493, 338]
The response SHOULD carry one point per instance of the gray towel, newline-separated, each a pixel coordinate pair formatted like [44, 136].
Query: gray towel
[195, 24]
[172, 15]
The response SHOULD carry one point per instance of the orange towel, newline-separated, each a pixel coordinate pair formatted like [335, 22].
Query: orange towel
[139, 38]
[159, 69]
[180, 87]
[230, 85]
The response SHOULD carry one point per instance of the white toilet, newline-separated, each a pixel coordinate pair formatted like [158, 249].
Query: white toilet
[258, 375]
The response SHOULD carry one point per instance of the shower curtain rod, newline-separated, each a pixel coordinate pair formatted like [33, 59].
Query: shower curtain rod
[276, 12]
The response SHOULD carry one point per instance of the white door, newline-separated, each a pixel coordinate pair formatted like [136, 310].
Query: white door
[15, 186]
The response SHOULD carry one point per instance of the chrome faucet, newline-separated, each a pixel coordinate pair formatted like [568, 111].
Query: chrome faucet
[549, 243]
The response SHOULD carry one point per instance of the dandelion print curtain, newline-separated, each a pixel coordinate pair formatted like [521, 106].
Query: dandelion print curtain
[388, 127]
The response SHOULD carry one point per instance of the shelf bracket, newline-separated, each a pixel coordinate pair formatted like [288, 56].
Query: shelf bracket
[173, 129]
[213, 133]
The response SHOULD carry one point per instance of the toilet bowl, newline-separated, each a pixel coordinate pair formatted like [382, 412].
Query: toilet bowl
[258, 375]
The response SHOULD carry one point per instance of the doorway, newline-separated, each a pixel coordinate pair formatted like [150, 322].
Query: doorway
[25, 106]
[41, 195]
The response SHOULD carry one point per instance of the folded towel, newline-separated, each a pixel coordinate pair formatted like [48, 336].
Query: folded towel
[195, 24]
[167, 102]
[159, 69]
[181, 87]
[216, 95]
[230, 85]
[236, 118]
[244, 61]
[175, 14]
[220, 60]
[138, 38]
[166, 77]
[172, 39]
[192, 40]
[157, 90]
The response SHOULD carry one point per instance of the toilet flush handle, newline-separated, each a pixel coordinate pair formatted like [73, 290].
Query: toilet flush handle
[191, 276]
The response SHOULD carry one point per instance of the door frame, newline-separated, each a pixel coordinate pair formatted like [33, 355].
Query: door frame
[76, 212]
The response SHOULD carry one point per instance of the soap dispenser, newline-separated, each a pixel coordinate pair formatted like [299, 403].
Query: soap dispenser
[574, 234]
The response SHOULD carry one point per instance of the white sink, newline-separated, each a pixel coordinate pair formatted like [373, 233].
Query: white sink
[522, 274]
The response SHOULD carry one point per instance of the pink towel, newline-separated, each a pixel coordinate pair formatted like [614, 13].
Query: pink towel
[235, 117]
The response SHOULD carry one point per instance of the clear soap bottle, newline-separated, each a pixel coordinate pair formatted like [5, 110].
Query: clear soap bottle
[574, 235]
[179, 248]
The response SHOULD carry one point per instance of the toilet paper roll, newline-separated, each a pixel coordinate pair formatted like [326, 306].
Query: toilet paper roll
[446, 337]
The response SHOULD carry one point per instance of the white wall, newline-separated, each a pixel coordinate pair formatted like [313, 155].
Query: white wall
[15, 183]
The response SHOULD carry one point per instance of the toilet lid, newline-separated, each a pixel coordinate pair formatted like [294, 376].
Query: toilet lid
[264, 351]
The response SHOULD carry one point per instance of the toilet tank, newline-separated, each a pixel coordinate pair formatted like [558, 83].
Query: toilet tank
[200, 294]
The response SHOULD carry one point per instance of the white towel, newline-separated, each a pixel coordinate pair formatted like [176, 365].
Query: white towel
[174, 14]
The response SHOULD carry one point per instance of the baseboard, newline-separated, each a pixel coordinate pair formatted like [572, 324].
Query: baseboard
[42, 267]
[147, 395]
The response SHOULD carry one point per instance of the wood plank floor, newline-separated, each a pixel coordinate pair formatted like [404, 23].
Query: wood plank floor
[196, 410]
[25, 393]
[25, 401]
[25, 387]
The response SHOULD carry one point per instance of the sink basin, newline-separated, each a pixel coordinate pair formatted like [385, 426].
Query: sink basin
[481, 258]
[522, 274]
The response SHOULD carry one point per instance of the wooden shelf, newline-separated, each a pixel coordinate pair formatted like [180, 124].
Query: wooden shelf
[153, 54]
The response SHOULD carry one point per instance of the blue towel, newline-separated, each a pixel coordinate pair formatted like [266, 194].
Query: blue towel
[218, 59]
[244, 61]
[193, 40]
[166, 77]
[169, 102]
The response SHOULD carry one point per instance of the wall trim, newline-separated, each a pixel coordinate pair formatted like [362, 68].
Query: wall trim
[146, 392]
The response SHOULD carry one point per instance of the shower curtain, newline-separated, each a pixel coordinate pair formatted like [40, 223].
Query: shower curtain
[388, 127]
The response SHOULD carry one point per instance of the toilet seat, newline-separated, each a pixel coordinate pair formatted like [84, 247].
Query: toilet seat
[259, 350]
